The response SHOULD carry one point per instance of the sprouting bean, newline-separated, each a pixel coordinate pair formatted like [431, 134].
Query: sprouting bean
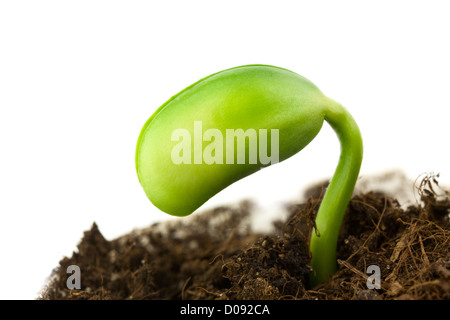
[235, 122]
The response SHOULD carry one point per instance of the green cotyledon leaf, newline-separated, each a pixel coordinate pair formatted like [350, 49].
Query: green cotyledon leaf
[247, 97]
[231, 124]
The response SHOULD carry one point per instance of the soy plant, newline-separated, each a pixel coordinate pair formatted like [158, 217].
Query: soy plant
[230, 124]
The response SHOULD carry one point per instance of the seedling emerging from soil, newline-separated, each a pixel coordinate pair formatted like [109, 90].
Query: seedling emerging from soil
[183, 159]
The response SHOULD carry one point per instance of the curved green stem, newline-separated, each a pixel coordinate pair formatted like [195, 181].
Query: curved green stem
[332, 209]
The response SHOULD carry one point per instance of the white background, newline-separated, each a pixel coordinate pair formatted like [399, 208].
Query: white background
[78, 79]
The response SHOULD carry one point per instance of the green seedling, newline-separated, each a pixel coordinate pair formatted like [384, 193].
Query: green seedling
[221, 129]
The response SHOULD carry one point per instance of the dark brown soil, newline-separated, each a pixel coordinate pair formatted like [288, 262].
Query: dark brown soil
[214, 255]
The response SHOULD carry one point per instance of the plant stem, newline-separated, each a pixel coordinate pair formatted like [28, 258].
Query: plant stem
[334, 204]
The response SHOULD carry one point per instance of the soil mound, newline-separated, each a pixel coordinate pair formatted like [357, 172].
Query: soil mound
[215, 255]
